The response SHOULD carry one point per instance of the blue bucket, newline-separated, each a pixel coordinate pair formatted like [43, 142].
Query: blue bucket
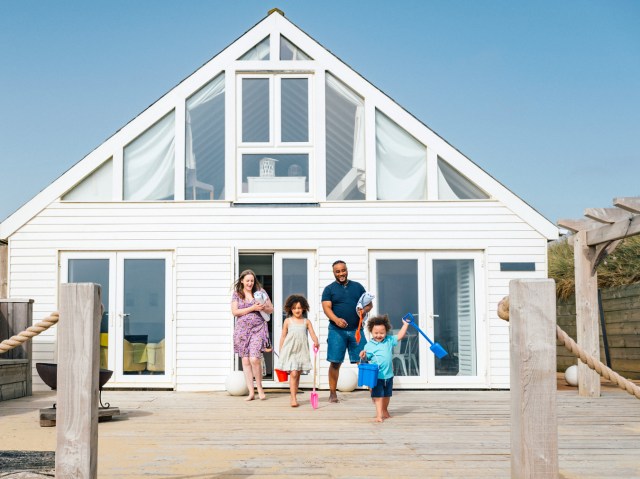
[367, 375]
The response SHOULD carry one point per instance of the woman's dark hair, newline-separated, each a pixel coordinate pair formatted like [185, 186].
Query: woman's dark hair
[377, 321]
[238, 286]
[291, 301]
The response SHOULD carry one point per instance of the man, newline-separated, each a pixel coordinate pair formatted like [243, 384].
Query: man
[339, 300]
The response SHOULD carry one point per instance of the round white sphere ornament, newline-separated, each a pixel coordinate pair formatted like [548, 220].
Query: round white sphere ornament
[347, 381]
[571, 375]
[235, 384]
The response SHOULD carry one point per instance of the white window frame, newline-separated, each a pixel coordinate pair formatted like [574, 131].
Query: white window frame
[275, 146]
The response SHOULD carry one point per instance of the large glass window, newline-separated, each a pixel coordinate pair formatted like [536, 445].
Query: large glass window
[275, 174]
[294, 110]
[401, 162]
[256, 111]
[204, 154]
[149, 163]
[345, 164]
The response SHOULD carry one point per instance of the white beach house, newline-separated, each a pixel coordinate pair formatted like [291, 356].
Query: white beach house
[276, 156]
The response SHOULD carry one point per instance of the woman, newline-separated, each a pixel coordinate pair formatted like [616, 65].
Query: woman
[251, 335]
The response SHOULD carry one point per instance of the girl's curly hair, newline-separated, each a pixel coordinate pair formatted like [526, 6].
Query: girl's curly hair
[291, 301]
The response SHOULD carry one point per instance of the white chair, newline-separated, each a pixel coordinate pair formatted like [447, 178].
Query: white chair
[407, 355]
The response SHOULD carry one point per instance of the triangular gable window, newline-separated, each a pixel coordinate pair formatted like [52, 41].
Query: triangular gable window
[453, 186]
[149, 163]
[97, 186]
[401, 162]
[259, 52]
[289, 51]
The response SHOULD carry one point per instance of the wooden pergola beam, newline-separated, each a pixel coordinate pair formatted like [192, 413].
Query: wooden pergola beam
[579, 224]
[614, 231]
[607, 215]
[631, 204]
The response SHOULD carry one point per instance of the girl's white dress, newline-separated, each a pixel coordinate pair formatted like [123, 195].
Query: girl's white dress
[295, 354]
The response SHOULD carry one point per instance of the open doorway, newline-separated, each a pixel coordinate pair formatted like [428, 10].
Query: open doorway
[262, 266]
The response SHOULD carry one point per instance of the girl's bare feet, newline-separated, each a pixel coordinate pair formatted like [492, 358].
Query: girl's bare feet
[294, 403]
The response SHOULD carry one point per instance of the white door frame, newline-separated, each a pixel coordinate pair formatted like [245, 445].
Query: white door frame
[425, 260]
[115, 302]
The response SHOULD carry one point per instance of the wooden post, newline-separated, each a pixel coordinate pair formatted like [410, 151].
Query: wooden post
[534, 425]
[588, 330]
[78, 370]
[4, 270]
[16, 315]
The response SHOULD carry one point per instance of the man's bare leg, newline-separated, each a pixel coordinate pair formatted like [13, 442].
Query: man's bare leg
[334, 373]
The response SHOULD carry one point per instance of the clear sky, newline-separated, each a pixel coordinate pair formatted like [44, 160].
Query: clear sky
[543, 95]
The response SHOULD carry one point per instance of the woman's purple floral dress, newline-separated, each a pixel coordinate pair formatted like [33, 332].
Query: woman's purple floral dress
[251, 335]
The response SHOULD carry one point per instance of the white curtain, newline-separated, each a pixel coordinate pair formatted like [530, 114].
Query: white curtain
[259, 52]
[465, 301]
[401, 162]
[357, 172]
[149, 163]
[453, 186]
[207, 94]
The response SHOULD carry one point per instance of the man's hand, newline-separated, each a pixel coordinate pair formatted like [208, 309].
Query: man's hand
[341, 323]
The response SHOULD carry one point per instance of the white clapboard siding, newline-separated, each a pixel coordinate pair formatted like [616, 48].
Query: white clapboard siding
[203, 237]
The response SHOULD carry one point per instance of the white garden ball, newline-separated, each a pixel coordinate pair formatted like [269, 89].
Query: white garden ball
[236, 384]
[347, 381]
[571, 375]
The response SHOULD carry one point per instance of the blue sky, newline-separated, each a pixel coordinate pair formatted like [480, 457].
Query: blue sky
[543, 95]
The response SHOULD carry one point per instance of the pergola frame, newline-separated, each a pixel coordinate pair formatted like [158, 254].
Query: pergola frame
[594, 238]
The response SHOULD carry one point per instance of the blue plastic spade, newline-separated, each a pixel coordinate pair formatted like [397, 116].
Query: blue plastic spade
[436, 349]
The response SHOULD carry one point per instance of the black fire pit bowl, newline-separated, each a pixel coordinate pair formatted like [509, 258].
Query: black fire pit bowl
[49, 374]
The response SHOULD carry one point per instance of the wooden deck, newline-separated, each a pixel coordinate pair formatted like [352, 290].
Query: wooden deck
[452, 434]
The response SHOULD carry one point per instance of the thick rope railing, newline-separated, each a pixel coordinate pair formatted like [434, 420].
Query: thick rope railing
[30, 332]
[571, 345]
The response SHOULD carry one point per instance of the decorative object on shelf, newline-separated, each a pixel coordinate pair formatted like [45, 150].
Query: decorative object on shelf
[268, 167]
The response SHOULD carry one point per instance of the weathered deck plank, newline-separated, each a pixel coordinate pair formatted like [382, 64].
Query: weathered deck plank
[453, 434]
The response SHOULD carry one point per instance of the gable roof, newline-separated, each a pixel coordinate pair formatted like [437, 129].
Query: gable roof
[275, 23]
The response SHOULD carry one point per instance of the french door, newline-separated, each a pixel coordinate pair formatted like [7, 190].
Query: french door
[293, 274]
[136, 327]
[444, 291]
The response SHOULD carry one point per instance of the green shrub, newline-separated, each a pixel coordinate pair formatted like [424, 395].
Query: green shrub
[619, 268]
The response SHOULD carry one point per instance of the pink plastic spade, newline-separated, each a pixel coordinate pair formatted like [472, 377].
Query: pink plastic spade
[314, 394]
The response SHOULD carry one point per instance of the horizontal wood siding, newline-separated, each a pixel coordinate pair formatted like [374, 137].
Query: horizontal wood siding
[204, 235]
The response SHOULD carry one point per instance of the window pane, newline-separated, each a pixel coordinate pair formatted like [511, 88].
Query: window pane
[401, 162]
[144, 320]
[275, 174]
[294, 279]
[453, 186]
[95, 271]
[255, 110]
[149, 163]
[345, 142]
[295, 109]
[289, 51]
[455, 323]
[98, 186]
[259, 52]
[397, 286]
[204, 173]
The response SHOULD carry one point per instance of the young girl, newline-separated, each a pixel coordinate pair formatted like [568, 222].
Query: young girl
[294, 346]
[379, 350]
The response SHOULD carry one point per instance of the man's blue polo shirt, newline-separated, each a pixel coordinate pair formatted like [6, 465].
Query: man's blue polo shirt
[344, 299]
[381, 353]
